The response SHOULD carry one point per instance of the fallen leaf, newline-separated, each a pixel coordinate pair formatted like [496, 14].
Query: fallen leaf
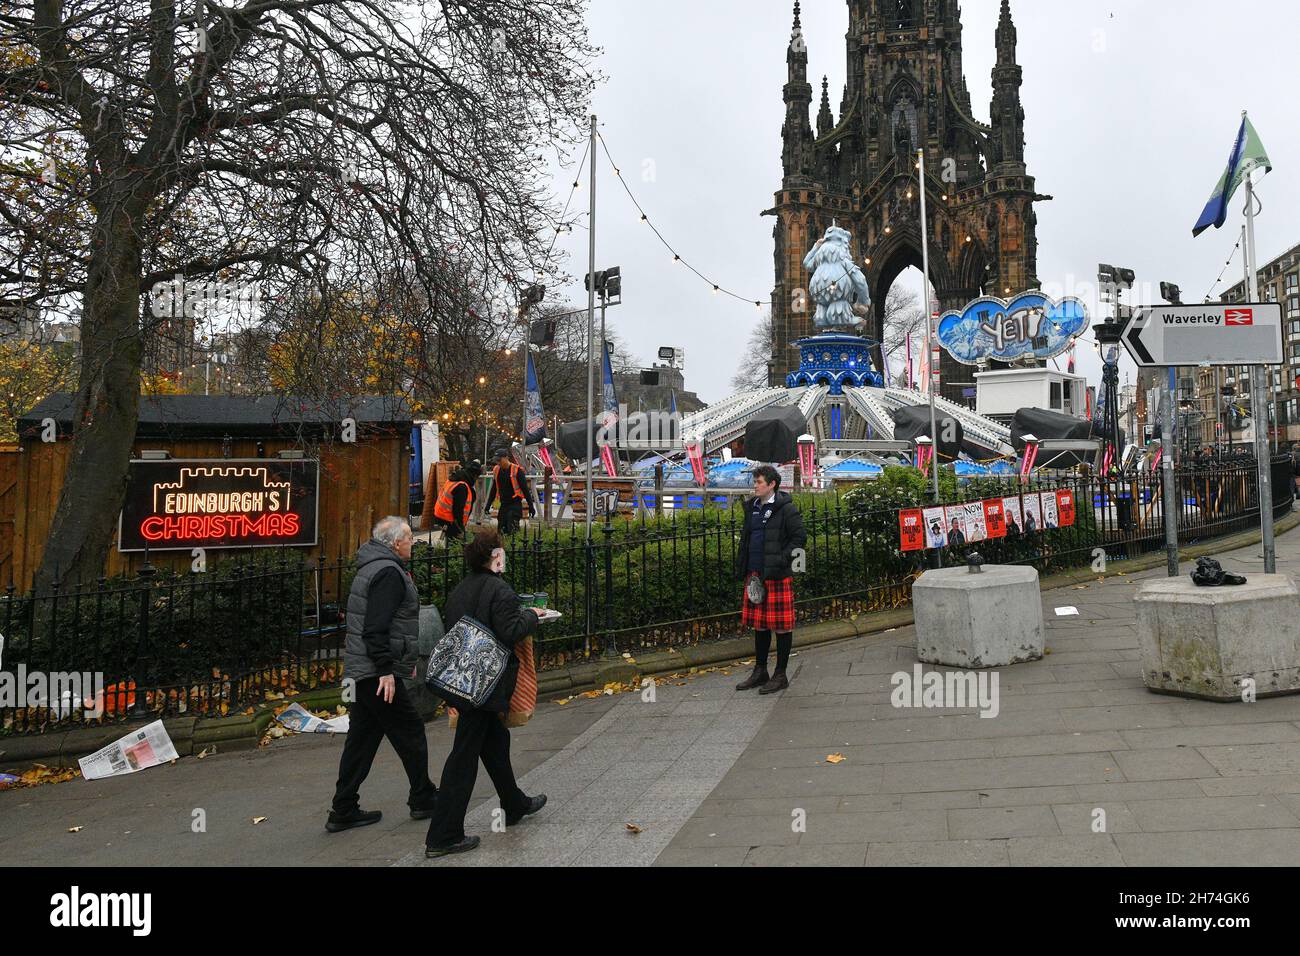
[205, 751]
[257, 820]
[75, 829]
[631, 828]
[836, 758]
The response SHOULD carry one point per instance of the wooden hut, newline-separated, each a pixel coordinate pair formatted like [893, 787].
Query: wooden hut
[359, 480]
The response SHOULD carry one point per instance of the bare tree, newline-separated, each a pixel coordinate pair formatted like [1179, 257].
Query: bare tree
[752, 371]
[282, 144]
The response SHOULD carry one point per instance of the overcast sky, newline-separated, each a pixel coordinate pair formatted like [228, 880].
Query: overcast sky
[1131, 108]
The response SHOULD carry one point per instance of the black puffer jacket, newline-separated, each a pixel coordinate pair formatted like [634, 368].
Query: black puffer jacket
[782, 535]
[488, 599]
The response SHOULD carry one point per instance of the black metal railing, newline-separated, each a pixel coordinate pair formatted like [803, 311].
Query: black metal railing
[216, 643]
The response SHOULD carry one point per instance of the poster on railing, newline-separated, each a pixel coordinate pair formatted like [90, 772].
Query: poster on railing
[1051, 518]
[954, 523]
[1033, 513]
[1015, 520]
[935, 534]
[976, 530]
[138, 750]
[911, 530]
[995, 518]
[1065, 508]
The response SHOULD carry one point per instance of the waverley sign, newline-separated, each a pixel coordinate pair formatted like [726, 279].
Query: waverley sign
[1237, 334]
[239, 503]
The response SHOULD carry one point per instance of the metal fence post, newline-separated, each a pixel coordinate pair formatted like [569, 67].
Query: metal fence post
[142, 647]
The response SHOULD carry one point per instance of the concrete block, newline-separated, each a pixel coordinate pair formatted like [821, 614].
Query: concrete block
[1203, 642]
[990, 619]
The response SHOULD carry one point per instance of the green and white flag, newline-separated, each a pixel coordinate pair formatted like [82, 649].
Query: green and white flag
[1247, 154]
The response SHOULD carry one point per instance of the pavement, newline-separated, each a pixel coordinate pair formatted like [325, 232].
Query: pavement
[1082, 766]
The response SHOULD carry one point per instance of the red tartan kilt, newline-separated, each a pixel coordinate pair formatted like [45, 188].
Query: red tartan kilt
[776, 613]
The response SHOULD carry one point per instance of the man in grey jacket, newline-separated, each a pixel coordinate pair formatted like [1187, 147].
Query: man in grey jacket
[383, 628]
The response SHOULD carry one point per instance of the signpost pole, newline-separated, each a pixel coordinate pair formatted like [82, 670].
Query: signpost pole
[1173, 503]
[1260, 412]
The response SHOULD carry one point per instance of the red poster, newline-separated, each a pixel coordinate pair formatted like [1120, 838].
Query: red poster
[911, 529]
[995, 519]
[1065, 505]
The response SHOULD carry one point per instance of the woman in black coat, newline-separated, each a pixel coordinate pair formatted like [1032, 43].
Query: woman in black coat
[772, 534]
[481, 733]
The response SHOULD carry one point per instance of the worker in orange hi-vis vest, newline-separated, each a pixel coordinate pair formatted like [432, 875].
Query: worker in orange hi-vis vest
[455, 502]
[510, 485]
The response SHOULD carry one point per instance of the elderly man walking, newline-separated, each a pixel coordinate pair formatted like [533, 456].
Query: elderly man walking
[383, 629]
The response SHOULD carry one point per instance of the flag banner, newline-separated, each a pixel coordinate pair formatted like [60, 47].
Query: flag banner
[1051, 514]
[995, 518]
[1033, 514]
[535, 415]
[911, 530]
[976, 531]
[935, 535]
[1247, 154]
[607, 385]
[1065, 508]
[1011, 508]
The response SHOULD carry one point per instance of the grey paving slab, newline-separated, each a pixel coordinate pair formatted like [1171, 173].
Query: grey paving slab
[1094, 850]
[1213, 813]
[1279, 847]
[949, 853]
[999, 823]
[1178, 763]
[840, 855]
[1253, 758]
[880, 826]
[1076, 819]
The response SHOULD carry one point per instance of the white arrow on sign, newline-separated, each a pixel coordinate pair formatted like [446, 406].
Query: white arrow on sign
[1237, 334]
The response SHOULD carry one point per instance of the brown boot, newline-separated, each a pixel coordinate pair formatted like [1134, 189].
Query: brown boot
[778, 682]
[756, 679]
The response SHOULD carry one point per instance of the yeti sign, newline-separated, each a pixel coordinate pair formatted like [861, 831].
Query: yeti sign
[1029, 326]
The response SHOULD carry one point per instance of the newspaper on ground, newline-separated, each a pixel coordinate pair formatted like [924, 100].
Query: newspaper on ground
[138, 750]
[297, 718]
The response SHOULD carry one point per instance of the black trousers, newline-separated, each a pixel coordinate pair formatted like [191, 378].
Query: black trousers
[370, 720]
[480, 735]
[509, 516]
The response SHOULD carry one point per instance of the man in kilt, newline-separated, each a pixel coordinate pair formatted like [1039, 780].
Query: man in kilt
[772, 533]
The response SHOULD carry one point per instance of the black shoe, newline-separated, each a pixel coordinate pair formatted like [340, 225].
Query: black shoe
[757, 678]
[421, 814]
[358, 818]
[778, 682]
[464, 846]
[534, 804]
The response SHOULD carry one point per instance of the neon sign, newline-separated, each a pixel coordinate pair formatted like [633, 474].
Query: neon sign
[179, 505]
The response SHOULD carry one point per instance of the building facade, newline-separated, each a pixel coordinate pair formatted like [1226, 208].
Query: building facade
[906, 91]
[1220, 417]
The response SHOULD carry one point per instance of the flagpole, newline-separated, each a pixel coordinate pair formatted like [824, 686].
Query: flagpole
[1258, 383]
[929, 319]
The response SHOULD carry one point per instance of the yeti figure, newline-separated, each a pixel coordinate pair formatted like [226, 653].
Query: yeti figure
[837, 286]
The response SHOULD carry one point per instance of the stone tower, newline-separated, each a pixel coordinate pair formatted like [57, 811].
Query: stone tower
[905, 91]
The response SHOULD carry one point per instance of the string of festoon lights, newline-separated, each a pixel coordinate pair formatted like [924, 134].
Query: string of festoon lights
[718, 288]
